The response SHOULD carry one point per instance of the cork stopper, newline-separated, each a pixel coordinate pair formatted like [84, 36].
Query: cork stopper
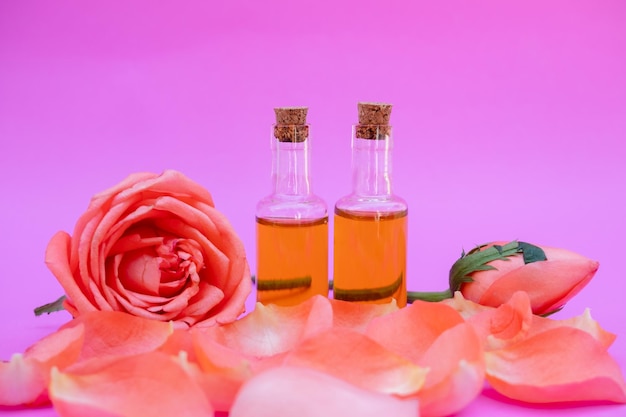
[373, 121]
[291, 124]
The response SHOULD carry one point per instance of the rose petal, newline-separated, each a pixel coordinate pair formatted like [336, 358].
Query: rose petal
[582, 322]
[355, 358]
[561, 364]
[150, 384]
[221, 371]
[550, 284]
[457, 372]
[411, 331]
[434, 336]
[113, 333]
[24, 379]
[302, 392]
[506, 324]
[513, 321]
[357, 316]
[272, 329]
[57, 255]
[22, 382]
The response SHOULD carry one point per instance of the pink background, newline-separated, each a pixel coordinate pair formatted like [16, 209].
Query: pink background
[509, 122]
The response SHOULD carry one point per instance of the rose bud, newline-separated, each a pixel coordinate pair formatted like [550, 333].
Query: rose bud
[153, 246]
[490, 274]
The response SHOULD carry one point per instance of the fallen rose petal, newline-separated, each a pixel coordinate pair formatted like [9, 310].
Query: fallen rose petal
[355, 358]
[582, 322]
[22, 382]
[357, 316]
[514, 321]
[113, 333]
[272, 329]
[292, 391]
[557, 365]
[219, 384]
[146, 385]
[457, 372]
[506, 324]
[24, 379]
[411, 330]
[434, 336]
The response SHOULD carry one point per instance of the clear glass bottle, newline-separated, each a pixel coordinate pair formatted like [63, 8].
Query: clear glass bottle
[370, 224]
[291, 222]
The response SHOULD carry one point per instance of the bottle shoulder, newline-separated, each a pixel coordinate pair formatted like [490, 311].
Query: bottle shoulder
[358, 204]
[276, 206]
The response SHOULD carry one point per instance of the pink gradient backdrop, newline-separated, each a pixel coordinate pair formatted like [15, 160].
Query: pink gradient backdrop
[509, 121]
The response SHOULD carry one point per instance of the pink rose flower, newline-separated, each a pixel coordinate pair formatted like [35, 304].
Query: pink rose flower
[549, 282]
[153, 246]
[490, 274]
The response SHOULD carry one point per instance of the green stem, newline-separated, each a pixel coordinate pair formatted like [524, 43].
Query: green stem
[56, 305]
[284, 284]
[428, 296]
[368, 294]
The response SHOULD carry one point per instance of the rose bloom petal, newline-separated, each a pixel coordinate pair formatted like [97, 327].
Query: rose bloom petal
[114, 261]
[357, 316]
[150, 384]
[558, 365]
[355, 358]
[550, 283]
[435, 336]
[293, 391]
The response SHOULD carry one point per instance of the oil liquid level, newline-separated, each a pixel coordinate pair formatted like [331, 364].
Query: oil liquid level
[292, 260]
[370, 257]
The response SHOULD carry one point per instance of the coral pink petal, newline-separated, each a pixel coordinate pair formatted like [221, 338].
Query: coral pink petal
[23, 381]
[560, 365]
[583, 322]
[220, 386]
[291, 391]
[411, 331]
[57, 260]
[113, 333]
[550, 284]
[435, 336]
[61, 348]
[272, 329]
[357, 316]
[355, 358]
[147, 385]
[506, 324]
[457, 372]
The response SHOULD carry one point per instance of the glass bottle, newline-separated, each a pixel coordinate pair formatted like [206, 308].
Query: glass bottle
[370, 224]
[291, 222]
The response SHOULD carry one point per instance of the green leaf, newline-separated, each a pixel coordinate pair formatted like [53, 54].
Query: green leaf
[284, 284]
[56, 305]
[532, 253]
[434, 296]
[368, 294]
[478, 259]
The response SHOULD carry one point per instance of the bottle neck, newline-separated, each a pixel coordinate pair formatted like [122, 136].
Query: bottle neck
[372, 167]
[290, 168]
